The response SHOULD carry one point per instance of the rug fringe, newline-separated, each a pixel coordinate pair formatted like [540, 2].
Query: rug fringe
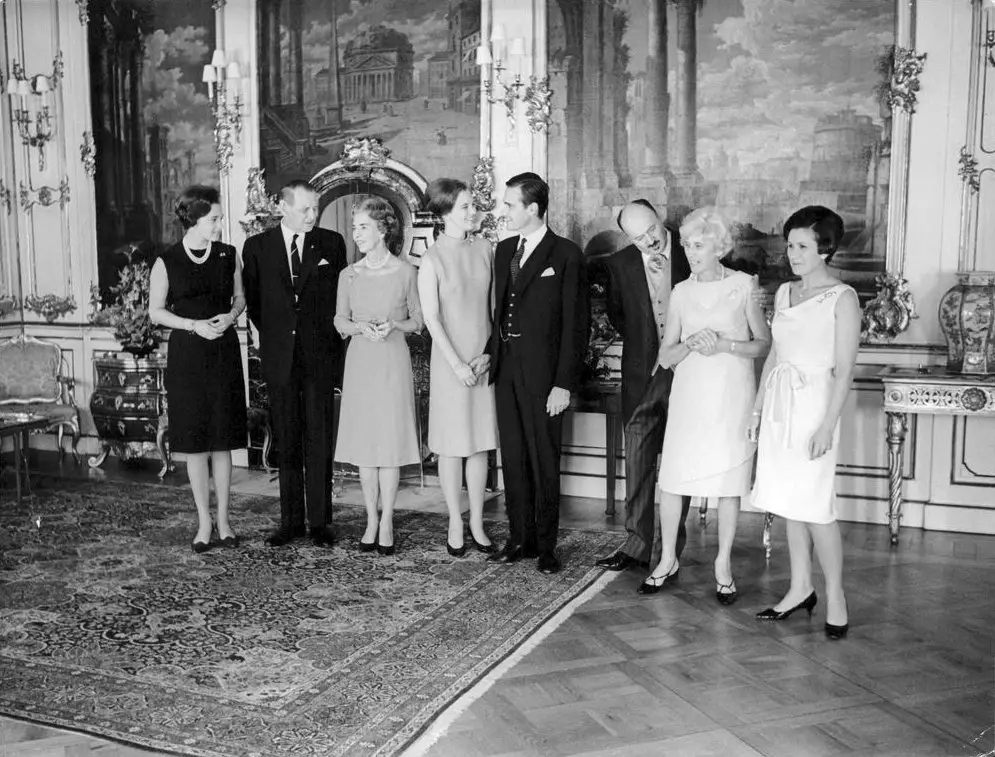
[449, 715]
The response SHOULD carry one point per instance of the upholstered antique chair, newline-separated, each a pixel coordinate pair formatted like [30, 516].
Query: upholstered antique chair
[35, 378]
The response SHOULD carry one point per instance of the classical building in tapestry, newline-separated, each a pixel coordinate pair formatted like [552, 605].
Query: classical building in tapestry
[331, 70]
[378, 67]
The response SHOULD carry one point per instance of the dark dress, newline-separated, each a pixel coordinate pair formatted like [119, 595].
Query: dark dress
[204, 381]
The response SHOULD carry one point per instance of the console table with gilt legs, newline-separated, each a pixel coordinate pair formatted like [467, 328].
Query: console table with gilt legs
[927, 391]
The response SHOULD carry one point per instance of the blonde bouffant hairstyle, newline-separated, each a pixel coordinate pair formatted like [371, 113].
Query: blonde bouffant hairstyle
[709, 224]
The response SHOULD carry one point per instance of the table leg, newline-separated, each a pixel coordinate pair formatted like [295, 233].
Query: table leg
[897, 426]
[610, 463]
[17, 466]
[97, 460]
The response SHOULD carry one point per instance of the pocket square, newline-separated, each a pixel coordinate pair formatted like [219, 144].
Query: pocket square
[548, 272]
[322, 262]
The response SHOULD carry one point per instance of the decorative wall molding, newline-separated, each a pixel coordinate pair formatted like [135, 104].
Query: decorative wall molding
[482, 191]
[890, 312]
[5, 196]
[88, 154]
[538, 104]
[45, 196]
[968, 170]
[218, 4]
[50, 306]
[908, 67]
[84, 11]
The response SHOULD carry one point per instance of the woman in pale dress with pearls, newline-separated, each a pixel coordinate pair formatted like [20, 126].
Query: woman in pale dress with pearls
[377, 305]
[804, 386]
[454, 284]
[714, 332]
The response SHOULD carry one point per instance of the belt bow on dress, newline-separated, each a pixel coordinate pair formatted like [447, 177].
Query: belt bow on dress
[782, 383]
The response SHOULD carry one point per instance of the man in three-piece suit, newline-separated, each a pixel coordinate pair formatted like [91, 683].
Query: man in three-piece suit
[640, 278]
[537, 348]
[291, 277]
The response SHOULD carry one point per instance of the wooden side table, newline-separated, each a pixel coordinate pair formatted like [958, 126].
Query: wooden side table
[604, 397]
[929, 391]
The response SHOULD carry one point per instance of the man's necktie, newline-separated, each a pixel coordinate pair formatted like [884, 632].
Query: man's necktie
[516, 260]
[295, 262]
[657, 262]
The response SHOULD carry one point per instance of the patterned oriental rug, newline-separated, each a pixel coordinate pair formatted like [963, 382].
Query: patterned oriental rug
[111, 625]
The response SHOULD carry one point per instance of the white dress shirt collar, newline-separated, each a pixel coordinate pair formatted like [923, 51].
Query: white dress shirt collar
[532, 240]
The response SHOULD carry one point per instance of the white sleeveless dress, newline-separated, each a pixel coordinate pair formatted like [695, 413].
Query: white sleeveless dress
[796, 394]
[705, 449]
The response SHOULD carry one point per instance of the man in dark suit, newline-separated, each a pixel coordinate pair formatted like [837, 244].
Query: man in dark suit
[291, 277]
[537, 348]
[640, 278]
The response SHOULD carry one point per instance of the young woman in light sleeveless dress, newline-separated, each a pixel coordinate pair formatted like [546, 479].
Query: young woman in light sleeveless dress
[715, 330]
[805, 382]
[454, 285]
[376, 305]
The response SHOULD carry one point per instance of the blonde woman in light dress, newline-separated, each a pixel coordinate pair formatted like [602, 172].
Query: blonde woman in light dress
[377, 305]
[804, 386]
[454, 285]
[714, 332]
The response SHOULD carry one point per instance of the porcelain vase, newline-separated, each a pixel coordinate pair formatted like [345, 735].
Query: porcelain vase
[967, 319]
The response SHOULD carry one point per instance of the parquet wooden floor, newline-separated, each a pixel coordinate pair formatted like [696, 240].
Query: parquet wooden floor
[678, 674]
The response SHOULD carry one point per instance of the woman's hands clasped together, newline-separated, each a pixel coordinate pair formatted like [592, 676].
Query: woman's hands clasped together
[470, 373]
[704, 342]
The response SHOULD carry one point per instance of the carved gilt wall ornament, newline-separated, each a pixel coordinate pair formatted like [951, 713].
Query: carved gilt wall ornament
[905, 79]
[364, 155]
[45, 196]
[84, 11]
[218, 4]
[538, 104]
[990, 45]
[482, 191]
[262, 211]
[890, 312]
[5, 196]
[88, 154]
[50, 306]
[968, 170]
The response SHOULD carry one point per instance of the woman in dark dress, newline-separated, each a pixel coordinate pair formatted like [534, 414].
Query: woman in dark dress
[196, 290]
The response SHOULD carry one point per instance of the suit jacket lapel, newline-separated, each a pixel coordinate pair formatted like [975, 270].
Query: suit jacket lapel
[501, 277]
[640, 284]
[536, 261]
[309, 259]
[280, 258]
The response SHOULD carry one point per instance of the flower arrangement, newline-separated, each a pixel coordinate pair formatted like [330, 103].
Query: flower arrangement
[129, 312]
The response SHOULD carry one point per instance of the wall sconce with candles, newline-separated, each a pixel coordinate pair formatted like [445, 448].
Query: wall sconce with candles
[222, 79]
[535, 93]
[30, 109]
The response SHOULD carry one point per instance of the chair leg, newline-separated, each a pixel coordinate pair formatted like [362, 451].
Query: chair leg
[74, 427]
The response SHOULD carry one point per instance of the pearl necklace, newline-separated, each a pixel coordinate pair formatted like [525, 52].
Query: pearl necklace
[375, 266]
[198, 259]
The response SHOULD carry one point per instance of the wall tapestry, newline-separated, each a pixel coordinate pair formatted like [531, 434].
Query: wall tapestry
[152, 122]
[756, 107]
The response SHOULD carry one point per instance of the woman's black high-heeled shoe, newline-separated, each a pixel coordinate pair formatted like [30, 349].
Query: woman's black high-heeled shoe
[456, 551]
[836, 632]
[367, 546]
[386, 551]
[487, 549]
[652, 584]
[726, 597]
[806, 604]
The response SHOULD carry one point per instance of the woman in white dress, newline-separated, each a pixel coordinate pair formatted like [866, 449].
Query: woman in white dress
[804, 384]
[714, 332]
[454, 286]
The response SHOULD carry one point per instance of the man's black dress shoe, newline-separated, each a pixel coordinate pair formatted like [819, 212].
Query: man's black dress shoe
[511, 553]
[548, 564]
[322, 537]
[285, 535]
[619, 561]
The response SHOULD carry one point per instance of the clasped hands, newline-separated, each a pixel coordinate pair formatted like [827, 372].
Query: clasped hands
[213, 328]
[705, 342]
[469, 373]
[376, 332]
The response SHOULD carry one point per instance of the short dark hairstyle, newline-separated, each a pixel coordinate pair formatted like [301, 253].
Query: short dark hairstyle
[534, 190]
[441, 195]
[287, 190]
[384, 216]
[638, 201]
[194, 203]
[825, 224]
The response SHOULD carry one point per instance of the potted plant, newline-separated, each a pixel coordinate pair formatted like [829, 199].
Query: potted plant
[128, 312]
